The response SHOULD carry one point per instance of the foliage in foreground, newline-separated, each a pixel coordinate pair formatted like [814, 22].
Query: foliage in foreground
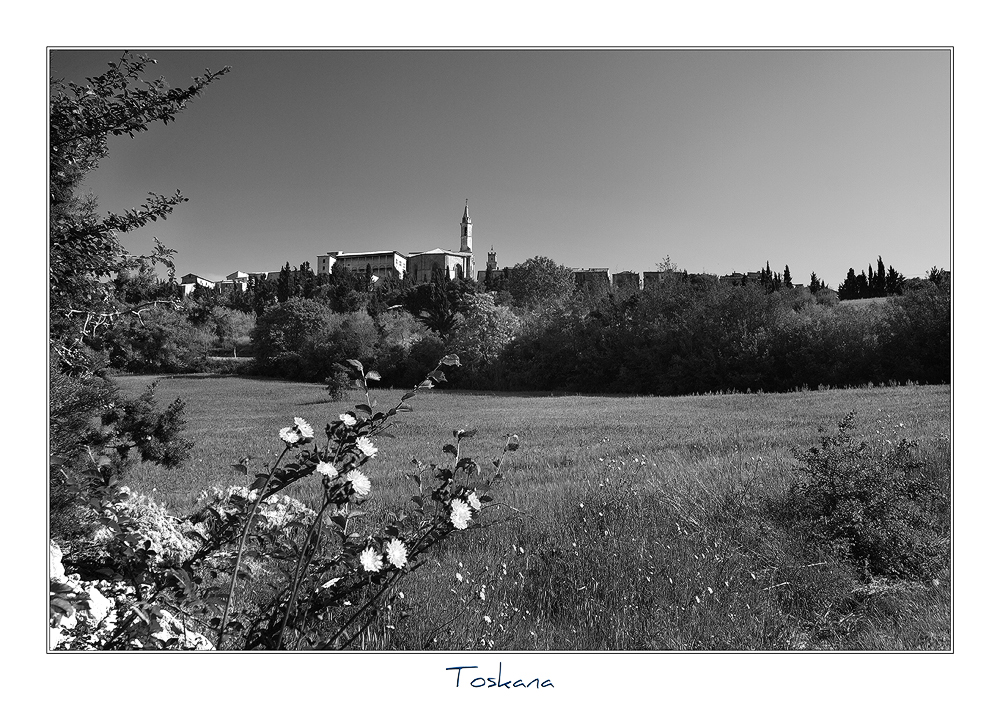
[95, 284]
[316, 580]
[662, 481]
[874, 505]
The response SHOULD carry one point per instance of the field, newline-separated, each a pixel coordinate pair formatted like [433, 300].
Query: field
[645, 520]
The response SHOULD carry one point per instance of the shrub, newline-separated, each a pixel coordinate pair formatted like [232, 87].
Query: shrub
[872, 504]
[337, 384]
[318, 580]
[162, 340]
[93, 430]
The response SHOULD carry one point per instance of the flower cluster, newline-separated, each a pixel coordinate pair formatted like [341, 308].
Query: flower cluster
[395, 551]
[258, 532]
[359, 482]
[461, 513]
[300, 433]
[463, 507]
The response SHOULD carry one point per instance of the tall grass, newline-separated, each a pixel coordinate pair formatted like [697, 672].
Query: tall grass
[648, 523]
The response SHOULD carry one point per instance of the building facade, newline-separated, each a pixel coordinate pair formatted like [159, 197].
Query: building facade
[383, 264]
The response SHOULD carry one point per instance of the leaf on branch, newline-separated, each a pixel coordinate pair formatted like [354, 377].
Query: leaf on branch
[425, 384]
[469, 465]
[437, 375]
[374, 376]
[451, 360]
[357, 365]
[259, 482]
[450, 449]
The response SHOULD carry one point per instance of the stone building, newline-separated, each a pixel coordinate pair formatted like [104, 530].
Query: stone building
[626, 281]
[416, 265]
[382, 263]
[599, 279]
[736, 279]
[459, 264]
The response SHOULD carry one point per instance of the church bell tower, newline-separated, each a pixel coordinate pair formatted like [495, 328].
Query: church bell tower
[466, 225]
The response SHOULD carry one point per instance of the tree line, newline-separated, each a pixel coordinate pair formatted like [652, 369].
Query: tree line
[534, 329]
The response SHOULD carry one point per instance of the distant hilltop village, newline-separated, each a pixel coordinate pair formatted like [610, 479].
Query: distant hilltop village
[419, 267]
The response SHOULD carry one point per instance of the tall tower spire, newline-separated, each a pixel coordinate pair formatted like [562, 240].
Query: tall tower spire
[466, 225]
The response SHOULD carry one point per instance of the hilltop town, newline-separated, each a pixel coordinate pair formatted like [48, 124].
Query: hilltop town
[418, 266]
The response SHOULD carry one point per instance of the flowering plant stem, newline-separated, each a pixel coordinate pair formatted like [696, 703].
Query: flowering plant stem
[313, 537]
[333, 638]
[242, 545]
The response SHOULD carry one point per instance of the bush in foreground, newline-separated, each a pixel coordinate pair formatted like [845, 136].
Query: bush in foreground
[316, 579]
[873, 504]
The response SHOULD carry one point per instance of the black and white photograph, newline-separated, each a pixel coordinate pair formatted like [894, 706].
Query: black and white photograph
[531, 361]
[500, 350]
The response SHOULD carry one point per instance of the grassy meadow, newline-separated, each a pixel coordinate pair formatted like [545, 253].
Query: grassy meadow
[644, 522]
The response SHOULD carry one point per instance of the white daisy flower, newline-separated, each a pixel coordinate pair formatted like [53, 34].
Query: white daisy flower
[474, 501]
[461, 513]
[348, 419]
[371, 561]
[361, 484]
[367, 448]
[289, 435]
[396, 552]
[305, 429]
[326, 469]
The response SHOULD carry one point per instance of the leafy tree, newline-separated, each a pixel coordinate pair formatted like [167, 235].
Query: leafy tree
[83, 245]
[283, 330]
[438, 303]
[346, 290]
[163, 340]
[893, 282]
[862, 291]
[938, 277]
[284, 288]
[878, 287]
[231, 328]
[814, 283]
[84, 257]
[848, 289]
[787, 278]
[306, 283]
[482, 333]
[540, 280]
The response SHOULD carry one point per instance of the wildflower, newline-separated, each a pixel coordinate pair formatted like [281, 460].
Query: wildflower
[326, 469]
[396, 552]
[289, 435]
[461, 513]
[370, 560]
[305, 429]
[367, 448]
[361, 484]
[348, 419]
[474, 501]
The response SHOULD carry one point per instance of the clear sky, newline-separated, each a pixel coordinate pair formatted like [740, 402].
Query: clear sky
[723, 160]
